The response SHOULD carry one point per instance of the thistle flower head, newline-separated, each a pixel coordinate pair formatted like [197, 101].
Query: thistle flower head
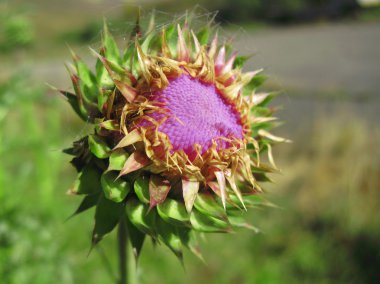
[197, 116]
[178, 133]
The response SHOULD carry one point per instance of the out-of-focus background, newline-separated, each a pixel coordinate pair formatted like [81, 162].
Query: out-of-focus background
[323, 56]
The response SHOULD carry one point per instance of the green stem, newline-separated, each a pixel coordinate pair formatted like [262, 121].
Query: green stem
[127, 262]
[122, 249]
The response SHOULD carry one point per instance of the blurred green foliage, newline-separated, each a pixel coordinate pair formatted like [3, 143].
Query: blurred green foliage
[88, 33]
[16, 30]
[370, 14]
[35, 244]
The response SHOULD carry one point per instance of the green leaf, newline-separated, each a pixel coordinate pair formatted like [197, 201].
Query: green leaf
[141, 217]
[102, 76]
[146, 43]
[111, 50]
[78, 148]
[88, 107]
[255, 82]
[107, 216]
[268, 99]
[90, 94]
[203, 35]
[255, 200]
[260, 111]
[88, 181]
[76, 106]
[229, 47]
[155, 44]
[206, 204]
[87, 82]
[117, 160]
[250, 201]
[208, 224]
[114, 189]
[88, 202]
[240, 61]
[111, 125]
[171, 39]
[81, 153]
[130, 58]
[257, 126]
[98, 147]
[258, 80]
[262, 177]
[115, 67]
[136, 237]
[169, 235]
[173, 212]
[69, 151]
[189, 240]
[103, 98]
[141, 187]
[239, 221]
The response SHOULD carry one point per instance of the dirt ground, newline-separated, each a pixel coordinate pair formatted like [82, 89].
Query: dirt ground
[324, 58]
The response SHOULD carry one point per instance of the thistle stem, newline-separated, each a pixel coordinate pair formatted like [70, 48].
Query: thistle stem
[127, 263]
[122, 250]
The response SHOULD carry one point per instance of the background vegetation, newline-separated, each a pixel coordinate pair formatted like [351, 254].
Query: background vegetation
[325, 228]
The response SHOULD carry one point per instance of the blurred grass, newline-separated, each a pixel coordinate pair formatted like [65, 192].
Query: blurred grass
[16, 30]
[325, 231]
[36, 245]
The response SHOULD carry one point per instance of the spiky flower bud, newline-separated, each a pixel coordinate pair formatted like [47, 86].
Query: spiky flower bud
[178, 131]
